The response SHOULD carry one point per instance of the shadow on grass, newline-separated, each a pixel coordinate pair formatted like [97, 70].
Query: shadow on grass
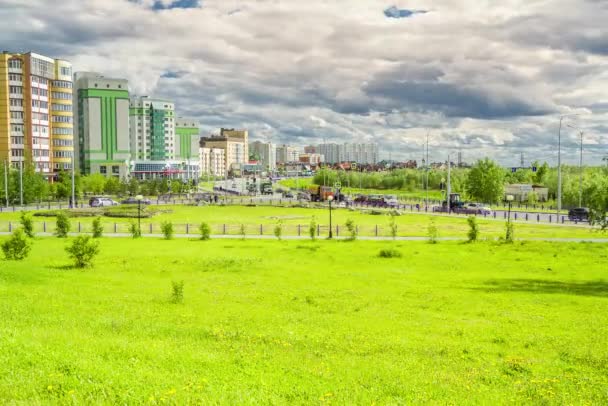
[69, 267]
[597, 288]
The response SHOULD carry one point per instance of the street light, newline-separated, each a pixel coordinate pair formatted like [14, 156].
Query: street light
[580, 169]
[510, 200]
[139, 198]
[329, 199]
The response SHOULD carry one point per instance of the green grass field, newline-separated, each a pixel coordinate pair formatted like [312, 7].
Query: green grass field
[409, 224]
[302, 322]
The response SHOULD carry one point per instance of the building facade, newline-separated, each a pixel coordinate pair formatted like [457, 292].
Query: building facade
[152, 129]
[235, 144]
[212, 162]
[286, 154]
[36, 117]
[359, 153]
[102, 124]
[266, 152]
[187, 138]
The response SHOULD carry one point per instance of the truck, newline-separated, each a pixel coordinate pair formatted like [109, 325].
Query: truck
[319, 193]
[456, 205]
[266, 188]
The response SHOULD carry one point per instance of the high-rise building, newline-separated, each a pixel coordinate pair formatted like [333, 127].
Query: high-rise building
[212, 162]
[152, 129]
[286, 154]
[360, 153]
[266, 152]
[101, 111]
[235, 144]
[187, 138]
[36, 111]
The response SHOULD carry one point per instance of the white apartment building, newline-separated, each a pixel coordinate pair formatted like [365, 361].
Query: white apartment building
[360, 153]
[213, 162]
[267, 153]
[286, 154]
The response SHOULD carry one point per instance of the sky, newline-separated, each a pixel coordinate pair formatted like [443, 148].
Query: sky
[480, 77]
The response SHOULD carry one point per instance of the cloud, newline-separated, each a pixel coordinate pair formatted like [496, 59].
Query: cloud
[487, 78]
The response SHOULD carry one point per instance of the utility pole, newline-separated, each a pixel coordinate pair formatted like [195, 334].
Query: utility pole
[426, 169]
[6, 182]
[73, 183]
[21, 183]
[449, 189]
[580, 175]
[522, 160]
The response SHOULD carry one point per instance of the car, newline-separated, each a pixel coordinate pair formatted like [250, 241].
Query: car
[391, 201]
[288, 195]
[578, 214]
[102, 202]
[132, 200]
[477, 208]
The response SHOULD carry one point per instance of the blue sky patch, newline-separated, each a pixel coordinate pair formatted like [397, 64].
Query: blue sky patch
[158, 5]
[394, 12]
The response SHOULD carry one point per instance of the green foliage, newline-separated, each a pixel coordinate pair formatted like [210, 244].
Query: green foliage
[17, 246]
[485, 182]
[134, 229]
[27, 223]
[205, 231]
[243, 231]
[510, 232]
[167, 229]
[473, 234]
[392, 225]
[389, 253]
[312, 228]
[278, 230]
[352, 229]
[177, 292]
[97, 228]
[433, 232]
[63, 225]
[83, 250]
[597, 198]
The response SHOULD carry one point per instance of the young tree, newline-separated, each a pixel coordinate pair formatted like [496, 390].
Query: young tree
[485, 181]
[17, 247]
[82, 250]
[27, 223]
[63, 225]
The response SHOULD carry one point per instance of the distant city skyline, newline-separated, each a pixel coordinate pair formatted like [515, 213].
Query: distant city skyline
[485, 80]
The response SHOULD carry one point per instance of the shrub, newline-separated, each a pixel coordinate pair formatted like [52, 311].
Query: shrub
[134, 230]
[278, 230]
[63, 225]
[27, 223]
[243, 231]
[167, 229]
[510, 231]
[312, 228]
[205, 231]
[432, 232]
[473, 233]
[177, 291]
[17, 246]
[352, 229]
[389, 253]
[392, 225]
[97, 228]
[82, 250]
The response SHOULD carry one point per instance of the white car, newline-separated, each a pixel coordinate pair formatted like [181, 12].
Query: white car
[478, 208]
[391, 200]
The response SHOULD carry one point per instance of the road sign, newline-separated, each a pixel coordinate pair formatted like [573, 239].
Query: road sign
[337, 185]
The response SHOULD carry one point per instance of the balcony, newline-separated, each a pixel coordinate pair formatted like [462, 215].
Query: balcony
[15, 95]
[15, 70]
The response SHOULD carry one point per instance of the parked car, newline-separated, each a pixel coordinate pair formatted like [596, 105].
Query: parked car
[102, 202]
[132, 200]
[288, 195]
[391, 201]
[578, 214]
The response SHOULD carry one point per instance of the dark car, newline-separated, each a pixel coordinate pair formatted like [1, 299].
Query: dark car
[578, 214]
[132, 200]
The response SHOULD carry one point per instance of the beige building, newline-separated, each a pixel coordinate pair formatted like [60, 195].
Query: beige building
[286, 154]
[235, 144]
[212, 162]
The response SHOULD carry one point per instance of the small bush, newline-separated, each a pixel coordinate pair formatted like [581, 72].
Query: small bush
[510, 232]
[473, 234]
[167, 229]
[243, 231]
[17, 247]
[177, 292]
[389, 253]
[63, 225]
[27, 223]
[352, 229]
[82, 250]
[392, 225]
[134, 230]
[432, 232]
[97, 228]
[205, 231]
[312, 228]
[278, 230]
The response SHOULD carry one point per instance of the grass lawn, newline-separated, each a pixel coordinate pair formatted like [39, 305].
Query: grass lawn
[301, 322]
[409, 224]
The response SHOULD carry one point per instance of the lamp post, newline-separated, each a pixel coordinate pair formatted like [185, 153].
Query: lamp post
[510, 201]
[139, 198]
[329, 199]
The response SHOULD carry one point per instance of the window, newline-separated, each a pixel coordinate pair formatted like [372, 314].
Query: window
[16, 152]
[17, 140]
[15, 76]
[14, 63]
[62, 143]
[62, 119]
[44, 92]
[120, 86]
[65, 71]
[62, 154]
[40, 104]
[61, 107]
[40, 116]
[61, 95]
[62, 131]
[62, 84]
[18, 128]
[115, 169]
[42, 68]
[40, 152]
[16, 102]
[17, 115]
[103, 170]
[15, 89]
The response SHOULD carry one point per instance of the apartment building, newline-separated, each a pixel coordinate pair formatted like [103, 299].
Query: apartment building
[212, 162]
[187, 136]
[266, 151]
[360, 153]
[235, 144]
[152, 129]
[286, 154]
